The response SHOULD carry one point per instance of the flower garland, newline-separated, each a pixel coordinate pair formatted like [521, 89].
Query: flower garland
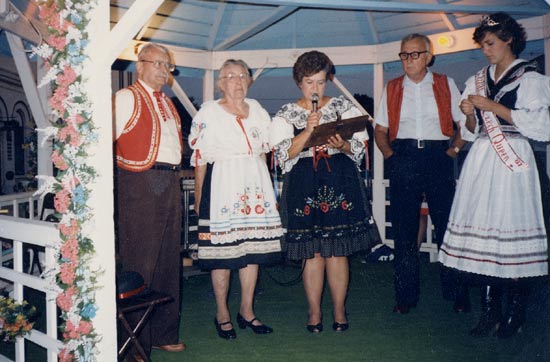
[72, 130]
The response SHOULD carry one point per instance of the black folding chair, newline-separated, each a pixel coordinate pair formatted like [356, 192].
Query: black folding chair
[147, 304]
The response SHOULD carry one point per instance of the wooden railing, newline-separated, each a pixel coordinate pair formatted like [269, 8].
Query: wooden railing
[22, 230]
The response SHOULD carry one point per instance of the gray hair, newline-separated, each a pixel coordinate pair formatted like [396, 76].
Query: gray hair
[422, 37]
[150, 46]
[238, 62]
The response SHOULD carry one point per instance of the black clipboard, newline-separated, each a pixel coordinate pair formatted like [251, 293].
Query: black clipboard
[344, 127]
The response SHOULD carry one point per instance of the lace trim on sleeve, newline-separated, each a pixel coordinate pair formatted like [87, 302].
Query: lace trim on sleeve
[357, 150]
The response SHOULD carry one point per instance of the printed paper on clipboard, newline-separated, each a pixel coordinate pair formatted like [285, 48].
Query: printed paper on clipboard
[344, 127]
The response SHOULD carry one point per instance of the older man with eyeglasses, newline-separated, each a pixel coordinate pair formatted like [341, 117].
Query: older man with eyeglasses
[416, 135]
[148, 145]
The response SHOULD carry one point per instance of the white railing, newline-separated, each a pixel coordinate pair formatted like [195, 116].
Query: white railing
[24, 231]
[19, 205]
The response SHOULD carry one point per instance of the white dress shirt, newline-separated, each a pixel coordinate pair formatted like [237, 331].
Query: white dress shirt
[419, 115]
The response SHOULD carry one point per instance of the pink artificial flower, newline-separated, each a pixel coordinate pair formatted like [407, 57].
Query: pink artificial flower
[67, 272]
[70, 133]
[65, 355]
[76, 119]
[69, 231]
[65, 299]
[56, 101]
[46, 11]
[67, 77]
[70, 331]
[57, 42]
[84, 327]
[69, 250]
[59, 161]
[324, 207]
[62, 201]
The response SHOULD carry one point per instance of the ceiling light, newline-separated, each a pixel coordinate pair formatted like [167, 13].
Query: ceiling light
[446, 41]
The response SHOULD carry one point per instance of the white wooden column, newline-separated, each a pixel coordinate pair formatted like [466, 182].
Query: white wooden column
[378, 185]
[98, 76]
[208, 86]
[546, 35]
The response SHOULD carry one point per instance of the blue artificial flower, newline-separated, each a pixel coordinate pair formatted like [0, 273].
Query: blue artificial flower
[73, 49]
[76, 18]
[78, 195]
[88, 311]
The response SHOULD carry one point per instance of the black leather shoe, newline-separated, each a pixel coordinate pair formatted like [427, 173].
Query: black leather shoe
[462, 301]
[259, 329]
[403, 308]
[340, 327]
[315, 328]
[229, 334]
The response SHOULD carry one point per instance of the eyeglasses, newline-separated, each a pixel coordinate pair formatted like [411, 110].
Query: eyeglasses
[232, 78]
[413, 55]
[157, 64]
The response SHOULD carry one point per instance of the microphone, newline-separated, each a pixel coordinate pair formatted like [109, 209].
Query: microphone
[314, 101]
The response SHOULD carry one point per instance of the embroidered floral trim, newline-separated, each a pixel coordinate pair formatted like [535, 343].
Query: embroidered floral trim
[326, 200]
[249, 202]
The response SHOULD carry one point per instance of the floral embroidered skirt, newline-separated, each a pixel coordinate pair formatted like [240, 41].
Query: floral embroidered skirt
[238, 221]
[326, 211]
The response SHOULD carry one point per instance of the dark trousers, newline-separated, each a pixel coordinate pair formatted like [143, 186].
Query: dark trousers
[149, 235]
[412, 172]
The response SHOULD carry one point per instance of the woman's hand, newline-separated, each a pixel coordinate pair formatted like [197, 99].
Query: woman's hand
[483, 103]
[312, 121]
[467, 107]
[488, 105]
[338, 143]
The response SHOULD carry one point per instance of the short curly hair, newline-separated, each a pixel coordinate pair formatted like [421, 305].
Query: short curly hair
[310, 63]
[505, 28]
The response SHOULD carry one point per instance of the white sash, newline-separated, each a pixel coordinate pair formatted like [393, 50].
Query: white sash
[492, 126]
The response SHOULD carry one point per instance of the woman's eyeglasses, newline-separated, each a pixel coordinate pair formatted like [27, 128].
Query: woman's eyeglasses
[235, 77]
[157, 64]
[413, 55]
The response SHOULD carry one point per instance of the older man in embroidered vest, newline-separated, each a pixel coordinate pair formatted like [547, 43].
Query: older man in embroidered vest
[414, 129]
[148, 156]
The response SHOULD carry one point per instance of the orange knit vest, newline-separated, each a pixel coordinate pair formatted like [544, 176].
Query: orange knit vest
[442, 96]
[133, 152]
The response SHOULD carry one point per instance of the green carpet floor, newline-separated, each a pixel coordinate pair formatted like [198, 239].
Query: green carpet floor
[431, 332]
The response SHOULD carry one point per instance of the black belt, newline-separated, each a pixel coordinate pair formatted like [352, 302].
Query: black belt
[414, 143]
[165, 167]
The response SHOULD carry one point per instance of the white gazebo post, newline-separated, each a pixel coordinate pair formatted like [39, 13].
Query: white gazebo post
[101, 201]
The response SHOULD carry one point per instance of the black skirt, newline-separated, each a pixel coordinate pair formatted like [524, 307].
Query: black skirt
[326, 211]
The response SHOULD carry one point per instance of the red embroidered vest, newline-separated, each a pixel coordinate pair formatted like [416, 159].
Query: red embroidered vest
[133, 152]
[442, 95]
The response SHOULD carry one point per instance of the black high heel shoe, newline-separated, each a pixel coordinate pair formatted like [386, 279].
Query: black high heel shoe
[229, 334]
[315, 328]
[340, 327]
[261, 329]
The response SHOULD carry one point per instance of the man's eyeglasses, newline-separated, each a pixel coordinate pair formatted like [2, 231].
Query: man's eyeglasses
[234, 77]
[157, 64]
[413, 55]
